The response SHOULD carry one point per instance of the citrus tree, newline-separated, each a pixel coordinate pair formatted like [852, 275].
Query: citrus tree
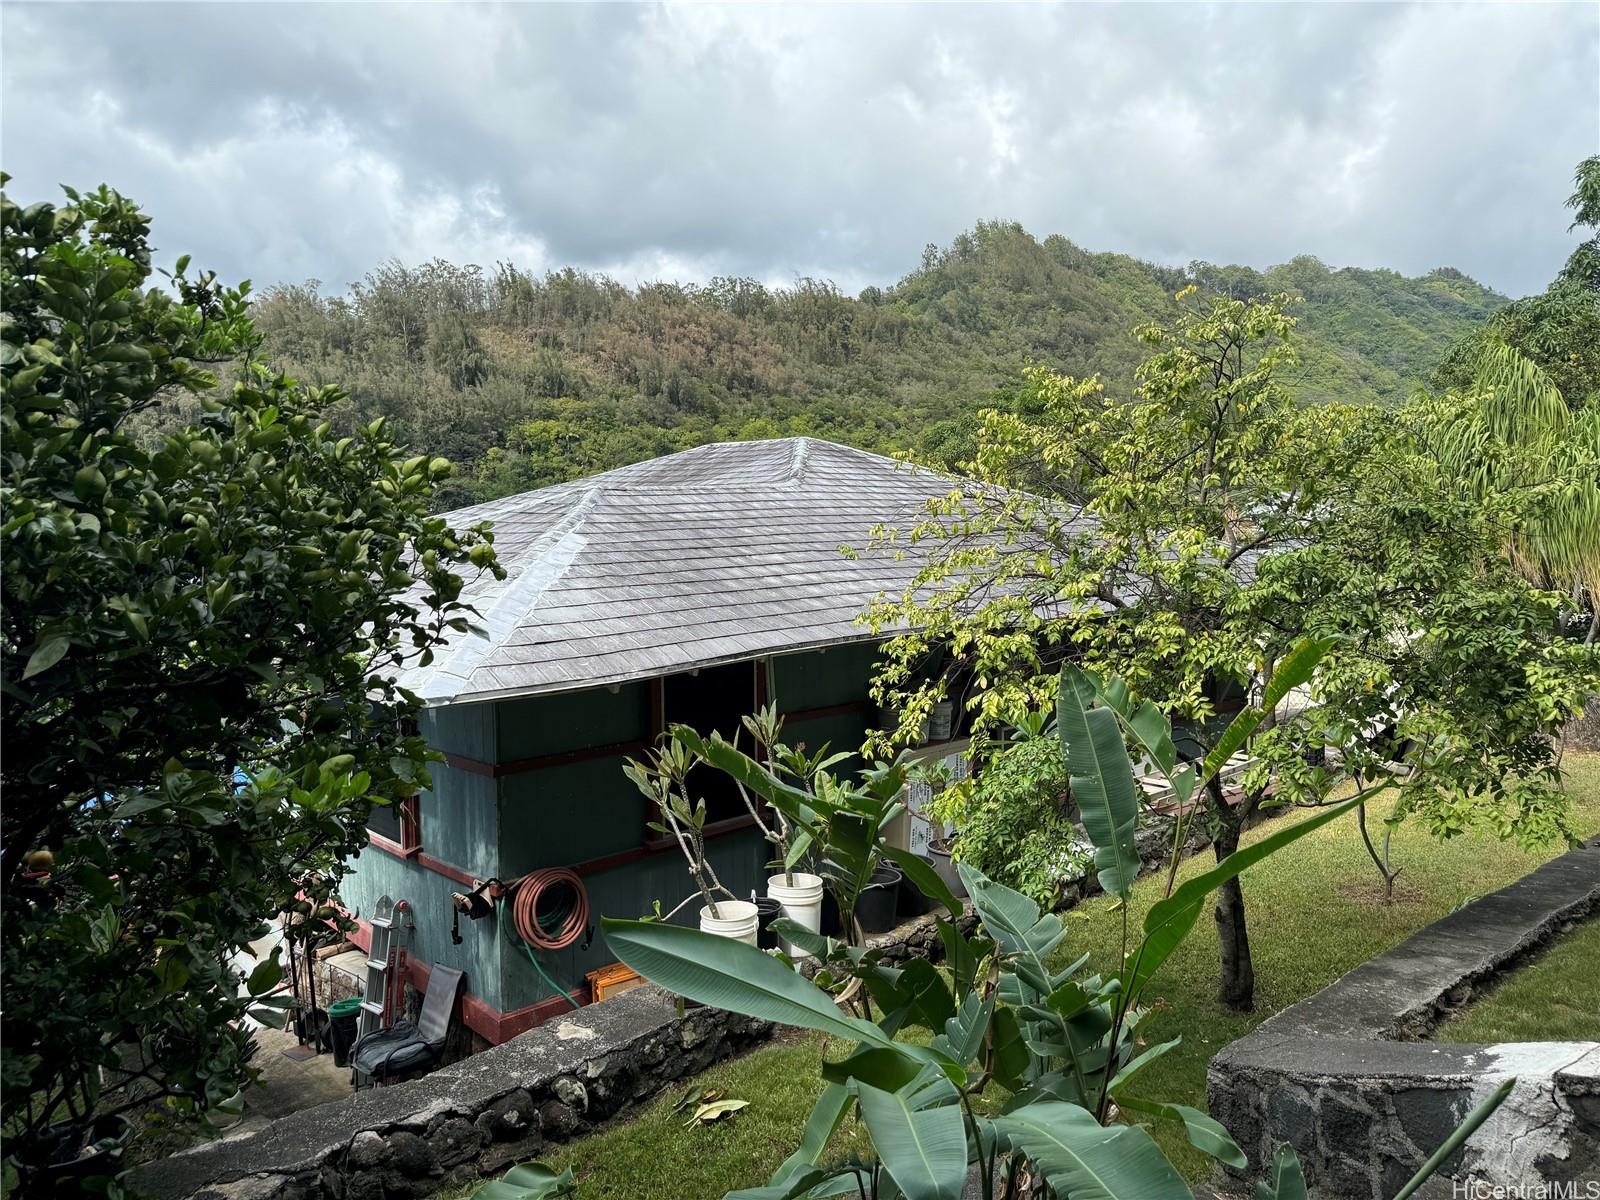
[198, 641]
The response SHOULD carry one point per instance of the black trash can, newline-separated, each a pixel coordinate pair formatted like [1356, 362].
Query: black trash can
[342, 1018]
[875, 908]
[768, 910]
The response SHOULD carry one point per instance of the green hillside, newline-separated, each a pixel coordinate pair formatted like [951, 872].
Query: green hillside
[530, 380]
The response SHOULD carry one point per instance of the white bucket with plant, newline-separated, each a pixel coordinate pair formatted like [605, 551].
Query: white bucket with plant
[736, 919]
[800, 893]
[662, 777]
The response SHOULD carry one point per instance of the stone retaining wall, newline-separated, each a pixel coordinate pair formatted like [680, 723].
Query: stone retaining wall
[1342, 1078]
[466, 1120]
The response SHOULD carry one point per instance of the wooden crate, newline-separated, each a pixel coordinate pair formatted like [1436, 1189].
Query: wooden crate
[612, 980]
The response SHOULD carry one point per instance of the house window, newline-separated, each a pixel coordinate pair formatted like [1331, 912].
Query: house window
[712, 699]
[396, 827]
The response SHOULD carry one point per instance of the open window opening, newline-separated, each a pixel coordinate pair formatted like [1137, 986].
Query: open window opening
[713, 699]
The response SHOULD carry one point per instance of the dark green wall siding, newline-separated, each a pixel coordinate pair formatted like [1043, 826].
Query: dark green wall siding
[378, 874]
[460, 821]
[569, 814]
[503, 827]
[822, 678]
[465, 729]
[573, 721]
[629, 891]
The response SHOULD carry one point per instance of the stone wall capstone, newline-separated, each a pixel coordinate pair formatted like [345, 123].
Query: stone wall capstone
[1344, 1079]
[467, 1120]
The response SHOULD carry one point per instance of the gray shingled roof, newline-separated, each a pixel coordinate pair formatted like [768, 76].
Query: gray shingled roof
[712, 555]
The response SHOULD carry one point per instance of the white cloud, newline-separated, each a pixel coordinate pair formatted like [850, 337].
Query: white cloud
[285, 141]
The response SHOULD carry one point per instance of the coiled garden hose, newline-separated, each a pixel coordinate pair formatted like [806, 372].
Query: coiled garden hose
[554, 924]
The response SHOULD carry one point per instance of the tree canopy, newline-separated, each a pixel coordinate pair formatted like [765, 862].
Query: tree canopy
[1185, 537]
[532, 379]
[199, 637]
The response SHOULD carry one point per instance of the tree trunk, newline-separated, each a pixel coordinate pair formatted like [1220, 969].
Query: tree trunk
[1238, 983]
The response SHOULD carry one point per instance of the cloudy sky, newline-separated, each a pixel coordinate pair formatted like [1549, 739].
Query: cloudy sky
[286, 141]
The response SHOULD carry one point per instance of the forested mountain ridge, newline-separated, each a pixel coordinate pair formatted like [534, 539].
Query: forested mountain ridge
[528, 380]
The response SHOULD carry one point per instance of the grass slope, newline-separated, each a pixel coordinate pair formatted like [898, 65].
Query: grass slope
[1553, 998]
[1315, 912]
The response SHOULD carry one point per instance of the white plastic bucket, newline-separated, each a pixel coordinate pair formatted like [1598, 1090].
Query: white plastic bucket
[802, 903]
[739, 921]
[940, 721]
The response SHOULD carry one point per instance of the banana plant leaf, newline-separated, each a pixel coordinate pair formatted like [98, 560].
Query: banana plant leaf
[1285, 1180]
[1102, 781]
[733, 976]
[826, 1116]
[1295, 669]
[1150, 729]
[528, 1181]
[921, 873]
[1080, 1158]
[1019, 928]
[1204, 1133]
[919, 1136]
[1169, 920]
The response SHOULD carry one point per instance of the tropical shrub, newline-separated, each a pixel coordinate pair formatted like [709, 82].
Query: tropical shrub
[1012, 821]
[198, 639]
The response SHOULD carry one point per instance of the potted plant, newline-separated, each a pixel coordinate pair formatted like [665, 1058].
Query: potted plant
[663, 778]
[799, 893]
[841, 822]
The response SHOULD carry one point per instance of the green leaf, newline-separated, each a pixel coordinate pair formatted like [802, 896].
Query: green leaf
[1024, 933]
[1102, 781]
[1012, 1058]
[1204, 1133]
[1295, 669]
[921, 873]
[923, 1148]
[876, 1066]
[46, 655]
[172, 972]
[146, 802]
[1080, 1158]
[1169, 920]
[826, 1116]
[528, 1181]
[733, 976]
[1285, 1180]
[1136, 1064]
[265, 977]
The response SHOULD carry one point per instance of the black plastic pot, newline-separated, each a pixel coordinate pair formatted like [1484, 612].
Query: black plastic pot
[768, 910]
[912, 902]
[875, 907]
[945, 866]
[831, 925]
[73, 1164]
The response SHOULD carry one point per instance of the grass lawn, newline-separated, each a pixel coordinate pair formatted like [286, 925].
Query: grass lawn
[1550, 999]
[1315, 911]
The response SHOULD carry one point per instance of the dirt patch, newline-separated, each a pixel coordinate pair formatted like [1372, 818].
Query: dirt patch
[1368, 893]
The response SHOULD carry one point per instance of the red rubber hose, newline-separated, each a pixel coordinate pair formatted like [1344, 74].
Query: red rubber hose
[525, 919]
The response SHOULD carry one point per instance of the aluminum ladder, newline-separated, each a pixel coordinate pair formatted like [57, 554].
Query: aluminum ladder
[380, 962]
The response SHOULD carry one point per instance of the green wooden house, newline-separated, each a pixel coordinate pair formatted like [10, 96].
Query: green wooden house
[689, 588]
